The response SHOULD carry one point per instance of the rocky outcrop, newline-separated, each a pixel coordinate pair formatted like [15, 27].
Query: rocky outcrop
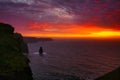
[13, 64]
[6, 29]
[23, 45]
[114, 75]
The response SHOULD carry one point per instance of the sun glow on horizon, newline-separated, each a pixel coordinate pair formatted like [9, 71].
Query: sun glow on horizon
[102, 34]
[72, 31]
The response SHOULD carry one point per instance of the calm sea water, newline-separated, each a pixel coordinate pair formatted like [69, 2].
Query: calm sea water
[87, 59]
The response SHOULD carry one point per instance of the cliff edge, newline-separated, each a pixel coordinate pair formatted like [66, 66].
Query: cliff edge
[113, 75]
[13, 64]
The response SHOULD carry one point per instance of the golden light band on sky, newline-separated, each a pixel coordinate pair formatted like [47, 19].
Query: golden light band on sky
[74, 31]
[104, 34]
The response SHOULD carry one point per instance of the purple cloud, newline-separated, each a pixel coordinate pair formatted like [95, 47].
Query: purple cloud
[97, 12]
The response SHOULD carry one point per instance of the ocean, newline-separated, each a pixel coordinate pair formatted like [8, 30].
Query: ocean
[70, 59]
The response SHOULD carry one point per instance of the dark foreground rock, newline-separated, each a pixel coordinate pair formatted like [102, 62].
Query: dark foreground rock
[22, 43]
[13, 64]
[114, 75]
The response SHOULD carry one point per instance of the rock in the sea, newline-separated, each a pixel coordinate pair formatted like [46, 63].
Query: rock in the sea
[13, 64]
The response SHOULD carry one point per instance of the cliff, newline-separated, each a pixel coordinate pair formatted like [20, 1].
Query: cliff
[22, 43]
[13, 64]
[114, 75]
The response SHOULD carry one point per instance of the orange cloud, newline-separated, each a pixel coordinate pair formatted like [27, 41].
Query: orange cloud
[70, 30]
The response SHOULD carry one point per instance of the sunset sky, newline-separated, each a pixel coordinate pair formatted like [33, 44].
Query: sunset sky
[63, 18]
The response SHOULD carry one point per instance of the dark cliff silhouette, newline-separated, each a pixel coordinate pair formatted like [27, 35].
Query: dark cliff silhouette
[6, 29]
[22, 43]
[113, 75]
[13, 64]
